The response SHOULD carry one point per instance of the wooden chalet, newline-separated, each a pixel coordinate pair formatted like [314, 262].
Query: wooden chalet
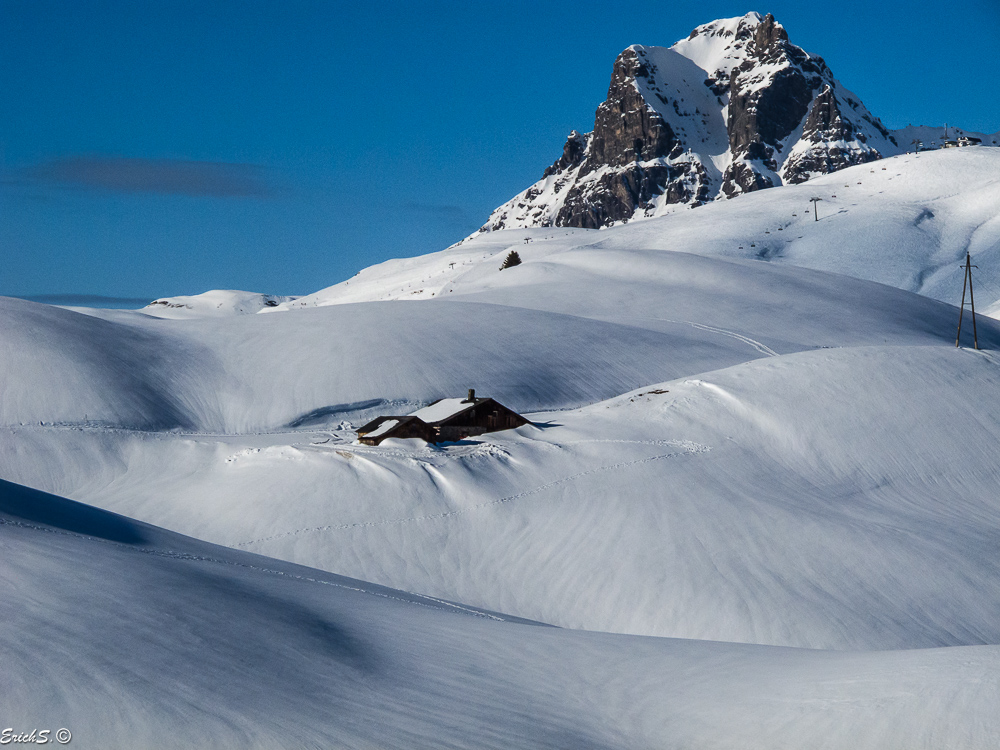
[444, 421]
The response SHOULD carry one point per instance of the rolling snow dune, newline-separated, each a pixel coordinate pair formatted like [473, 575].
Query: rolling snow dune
[716, 517]
[573, 328]
[842, 498]
[248, 374]
[237, 650]
[60, 365]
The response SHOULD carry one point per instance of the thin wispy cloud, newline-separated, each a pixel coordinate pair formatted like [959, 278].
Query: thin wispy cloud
[154, 176]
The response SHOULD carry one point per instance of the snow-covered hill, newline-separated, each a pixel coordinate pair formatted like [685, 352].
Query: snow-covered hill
[842, 498]
[217, 302]
[734, 108]
[907, 221]
[130, 636]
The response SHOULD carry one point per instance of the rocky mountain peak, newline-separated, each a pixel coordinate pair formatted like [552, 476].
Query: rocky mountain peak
[626, 130]
[734, 107]
[769, 33]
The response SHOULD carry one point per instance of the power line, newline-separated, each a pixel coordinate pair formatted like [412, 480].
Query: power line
[967, 280]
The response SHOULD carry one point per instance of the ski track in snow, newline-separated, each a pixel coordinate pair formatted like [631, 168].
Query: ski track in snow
[690, 448]
[172, 555]
[762, 348]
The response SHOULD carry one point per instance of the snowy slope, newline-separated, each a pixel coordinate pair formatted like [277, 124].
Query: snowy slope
[251, 374]
[906, 221]
[674, 486]
[576, 326]
[841, 498]
[236, 650]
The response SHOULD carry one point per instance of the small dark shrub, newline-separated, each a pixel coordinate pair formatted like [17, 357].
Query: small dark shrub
[512, 259]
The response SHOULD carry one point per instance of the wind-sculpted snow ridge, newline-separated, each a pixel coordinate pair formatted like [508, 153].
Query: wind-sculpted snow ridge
[126, 635]
[734, 108]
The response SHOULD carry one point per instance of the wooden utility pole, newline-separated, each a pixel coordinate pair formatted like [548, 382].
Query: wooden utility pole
[967, 280]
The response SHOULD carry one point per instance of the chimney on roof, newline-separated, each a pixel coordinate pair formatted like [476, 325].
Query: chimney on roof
[472, 396]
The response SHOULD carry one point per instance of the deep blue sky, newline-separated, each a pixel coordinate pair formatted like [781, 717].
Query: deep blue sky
[160, 148]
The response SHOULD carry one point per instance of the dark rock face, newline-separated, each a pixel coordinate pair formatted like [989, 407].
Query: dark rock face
[762, 116]
[625, 128]
[573, 153]
[824, 118]
[767, 115]
[627, 132]
[618, 195]
[752, 172]
[826, 128]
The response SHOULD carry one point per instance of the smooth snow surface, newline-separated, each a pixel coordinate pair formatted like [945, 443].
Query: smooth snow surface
[758, 496]
[131, 636]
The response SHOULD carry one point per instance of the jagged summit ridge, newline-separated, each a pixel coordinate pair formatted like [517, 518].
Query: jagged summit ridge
[733, 108]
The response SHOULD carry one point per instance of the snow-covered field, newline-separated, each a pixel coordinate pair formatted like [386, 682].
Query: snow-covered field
[134, 637]
[758, 500]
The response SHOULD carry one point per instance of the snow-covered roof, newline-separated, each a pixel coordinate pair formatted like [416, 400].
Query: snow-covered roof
[383, 428]
[443, 409]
